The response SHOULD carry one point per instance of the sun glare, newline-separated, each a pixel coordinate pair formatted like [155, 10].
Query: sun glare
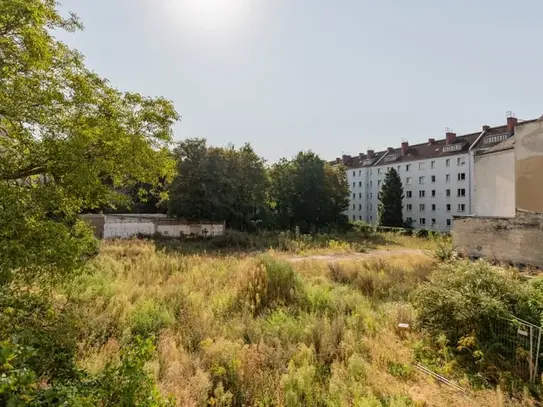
[211, 16]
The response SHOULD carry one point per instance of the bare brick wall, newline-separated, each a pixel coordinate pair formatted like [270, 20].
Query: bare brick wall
[516, 240]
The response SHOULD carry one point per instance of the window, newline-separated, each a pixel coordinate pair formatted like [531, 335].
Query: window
[461, 207]
[360, 218]
[354, 217]
[360, 195]
[409, 220]
[421, 180]
[421, 194]
[408, 167]
[421, 166]
[462, 176]
[408, 181]
[448, 207]
[460, 161]
[461, 192]
[422, 221]
[433, 178]
[371, 207]
[378, 170]
[354, 196]
[370, 172]
[354, 184]
[354, 174]
[360, 184]
[432, 164]
[433, 207]
[360, 173]
[433, 193]
[447, 177]
[447, 192]
[448, 222]
[399, 168]
[422, 207]
[408, 194]
[408, 207]
[371, 218]
[371, 195]
[448, 162]
[433, 222]
[360, 207]
[379, 183]
[371, 184]
[354, 207]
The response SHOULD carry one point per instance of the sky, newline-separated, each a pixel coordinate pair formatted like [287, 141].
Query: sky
[335, 77]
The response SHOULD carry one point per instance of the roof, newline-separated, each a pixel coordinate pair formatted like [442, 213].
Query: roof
[489, 139]
[508, 144]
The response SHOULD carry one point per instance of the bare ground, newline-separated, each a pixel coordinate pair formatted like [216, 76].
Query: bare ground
[357, 256]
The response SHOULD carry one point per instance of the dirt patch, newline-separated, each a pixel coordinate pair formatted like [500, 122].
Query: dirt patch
[356, 256]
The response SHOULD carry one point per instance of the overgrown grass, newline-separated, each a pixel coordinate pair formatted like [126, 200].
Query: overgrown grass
[259, 331]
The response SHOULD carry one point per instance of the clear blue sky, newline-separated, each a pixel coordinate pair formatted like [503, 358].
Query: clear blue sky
[330, 76]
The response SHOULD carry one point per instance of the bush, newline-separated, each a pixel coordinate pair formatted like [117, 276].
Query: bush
[462, 299]
[420, 233]
[362, 227]
[390, 229]
[148, 318]
[269, 284]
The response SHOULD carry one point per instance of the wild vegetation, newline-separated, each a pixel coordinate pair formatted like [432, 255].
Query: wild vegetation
[262, 330]
[241, 320]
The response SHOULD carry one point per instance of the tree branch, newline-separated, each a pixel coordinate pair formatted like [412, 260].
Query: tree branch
[24, 173]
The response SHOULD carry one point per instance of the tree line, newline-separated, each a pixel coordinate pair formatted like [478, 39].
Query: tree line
[235, 185]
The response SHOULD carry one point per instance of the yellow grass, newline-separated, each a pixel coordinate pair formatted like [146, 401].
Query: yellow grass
[336, 341]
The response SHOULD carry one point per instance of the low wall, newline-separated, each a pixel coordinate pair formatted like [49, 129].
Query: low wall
[126, 226]
[517, 240]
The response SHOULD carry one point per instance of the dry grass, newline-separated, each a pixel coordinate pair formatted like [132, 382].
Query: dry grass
[327, 336]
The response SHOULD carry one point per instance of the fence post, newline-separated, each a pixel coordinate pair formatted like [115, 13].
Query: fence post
[531, 353]
[537, 353]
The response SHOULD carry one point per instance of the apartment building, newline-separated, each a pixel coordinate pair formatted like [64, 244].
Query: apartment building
[438, 176]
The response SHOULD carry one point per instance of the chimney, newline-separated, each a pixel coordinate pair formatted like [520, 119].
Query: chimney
[486, 127]
[431, 141]
[338, 160]
[405, 147]
[450, 137]
[370, 153]
[345, 158]
[360, 155]
[390, 149]
[511, 123]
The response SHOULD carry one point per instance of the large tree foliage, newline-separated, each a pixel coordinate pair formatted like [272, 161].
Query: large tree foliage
[309, 193]
[219, 184]
[391, 200]
[68, 140]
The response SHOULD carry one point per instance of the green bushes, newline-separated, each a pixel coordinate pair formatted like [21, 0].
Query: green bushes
[148, 318]
[269, 284]
[460, 298]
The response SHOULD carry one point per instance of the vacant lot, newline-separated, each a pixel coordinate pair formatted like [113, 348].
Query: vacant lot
[263, 330]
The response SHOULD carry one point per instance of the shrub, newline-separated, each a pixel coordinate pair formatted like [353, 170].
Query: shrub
[269, 284]
[363, 228]
[148, 318]
[462, 299]
[420, 233]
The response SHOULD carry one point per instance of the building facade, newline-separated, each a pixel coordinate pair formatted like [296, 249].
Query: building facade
[438, 177]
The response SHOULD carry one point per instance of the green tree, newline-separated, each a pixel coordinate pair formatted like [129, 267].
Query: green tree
[391, 200]
[68, 141]
[308, 192]
[219, 184]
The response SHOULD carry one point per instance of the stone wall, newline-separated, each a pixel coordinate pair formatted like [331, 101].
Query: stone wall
[517, 240]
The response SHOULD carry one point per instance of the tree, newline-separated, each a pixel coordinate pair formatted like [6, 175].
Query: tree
[391, 198]
[219, 184]
[68, 141]
[309, 193]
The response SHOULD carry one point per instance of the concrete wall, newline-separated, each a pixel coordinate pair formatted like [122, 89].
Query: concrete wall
[495, 184]
[131, 225]
[511, 240]
[529, 166]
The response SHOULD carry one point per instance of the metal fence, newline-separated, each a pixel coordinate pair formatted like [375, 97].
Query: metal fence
[515, 344]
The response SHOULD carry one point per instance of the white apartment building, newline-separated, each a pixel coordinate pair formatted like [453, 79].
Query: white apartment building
[438, 177]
